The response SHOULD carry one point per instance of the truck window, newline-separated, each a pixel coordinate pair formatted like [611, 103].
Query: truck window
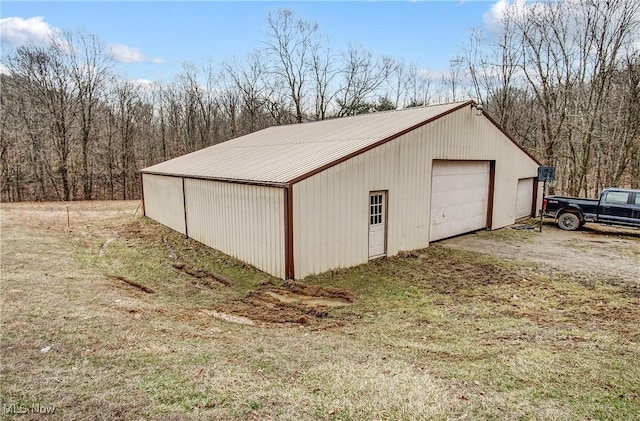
[637, 199]
[616, 197]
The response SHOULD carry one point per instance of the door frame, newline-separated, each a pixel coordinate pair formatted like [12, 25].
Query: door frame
[492, 187]
[385, 219]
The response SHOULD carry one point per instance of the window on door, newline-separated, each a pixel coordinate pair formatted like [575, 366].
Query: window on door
[375, 209]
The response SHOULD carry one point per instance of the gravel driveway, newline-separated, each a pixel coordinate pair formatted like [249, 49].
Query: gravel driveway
[595, 252]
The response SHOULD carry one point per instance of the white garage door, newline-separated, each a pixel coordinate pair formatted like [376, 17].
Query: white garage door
[459, 197]
[524, 199]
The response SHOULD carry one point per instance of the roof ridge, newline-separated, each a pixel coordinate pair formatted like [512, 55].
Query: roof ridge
[290, 153]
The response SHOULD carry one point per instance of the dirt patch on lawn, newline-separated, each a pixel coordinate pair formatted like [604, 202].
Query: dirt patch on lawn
[201, 277]
[270, 303]
[293, 303]
[290, 297]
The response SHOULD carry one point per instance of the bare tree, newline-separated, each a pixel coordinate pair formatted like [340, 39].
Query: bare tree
[417, 87]
[563, 78]
[250, 81]
[289, 44]
[198, 88]
[229, 100]
[549, 78]
[46, 80]
[126, 100]
[24, 129]
[90, 66]
[395, 84]
[362, 76]
[324, 72]
[452, 80]
[619, 150]
[493, 72]
[11, 143]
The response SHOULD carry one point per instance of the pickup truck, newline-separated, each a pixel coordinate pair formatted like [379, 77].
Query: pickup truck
[614, 207]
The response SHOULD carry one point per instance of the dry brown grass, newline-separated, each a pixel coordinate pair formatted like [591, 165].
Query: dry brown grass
[443, 335]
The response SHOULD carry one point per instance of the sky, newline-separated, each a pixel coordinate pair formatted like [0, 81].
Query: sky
[151, 40]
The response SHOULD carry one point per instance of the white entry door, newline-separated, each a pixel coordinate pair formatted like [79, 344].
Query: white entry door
[459, 197]
[377, 224]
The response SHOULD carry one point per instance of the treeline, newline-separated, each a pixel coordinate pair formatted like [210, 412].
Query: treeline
[562, 78]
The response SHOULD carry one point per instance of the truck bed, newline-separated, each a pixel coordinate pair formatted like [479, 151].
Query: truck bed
[587, 206]
[579, 200]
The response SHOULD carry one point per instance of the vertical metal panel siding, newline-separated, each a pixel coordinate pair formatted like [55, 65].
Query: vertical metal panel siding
[163, 200]
[331, 208]
[244, 221]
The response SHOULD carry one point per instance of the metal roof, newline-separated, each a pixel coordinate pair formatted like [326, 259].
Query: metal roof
[285, 154]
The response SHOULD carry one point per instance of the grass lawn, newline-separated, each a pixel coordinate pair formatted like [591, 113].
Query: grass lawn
[116, 317]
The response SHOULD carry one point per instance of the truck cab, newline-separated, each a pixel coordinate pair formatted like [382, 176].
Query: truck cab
[619, 207]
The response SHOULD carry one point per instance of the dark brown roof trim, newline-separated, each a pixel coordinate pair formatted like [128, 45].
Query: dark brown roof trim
[221, 179]
[289, 262]
[378, 143]
[495, 123]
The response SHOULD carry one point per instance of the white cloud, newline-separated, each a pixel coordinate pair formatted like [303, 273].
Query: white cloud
[144, 82]
[428, 75]
[494, 15]
[146, 85]
[493, 18]
[125, 54]
[17, 31]
[4, 70]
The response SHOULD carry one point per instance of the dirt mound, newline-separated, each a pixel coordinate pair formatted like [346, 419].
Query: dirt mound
[293, 303]
[201, 277]
[318, 291]
[137, 229]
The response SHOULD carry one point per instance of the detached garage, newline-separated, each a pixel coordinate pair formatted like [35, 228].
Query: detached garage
[306, 198]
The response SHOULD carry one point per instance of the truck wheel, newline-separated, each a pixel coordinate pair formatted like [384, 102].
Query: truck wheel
[569, 221]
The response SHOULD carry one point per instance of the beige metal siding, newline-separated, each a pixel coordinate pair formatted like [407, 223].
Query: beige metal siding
[243, 221]
[163, 200]
[336, 235]
[463, 135]
[331, 208]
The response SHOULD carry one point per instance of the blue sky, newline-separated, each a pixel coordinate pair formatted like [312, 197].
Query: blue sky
[153, 39]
